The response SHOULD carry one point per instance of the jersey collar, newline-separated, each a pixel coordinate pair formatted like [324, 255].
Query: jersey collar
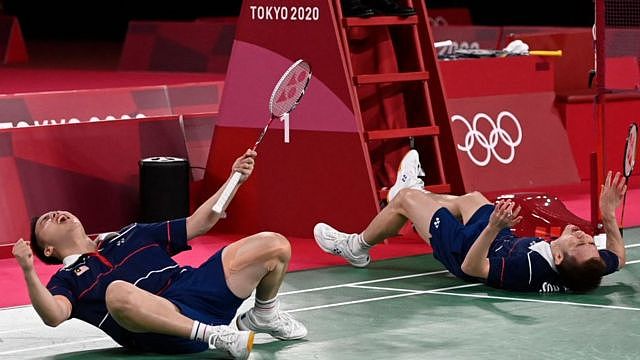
[544, 249]
[70, 260]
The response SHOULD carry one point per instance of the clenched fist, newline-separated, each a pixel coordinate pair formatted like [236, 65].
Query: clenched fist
[24, 255]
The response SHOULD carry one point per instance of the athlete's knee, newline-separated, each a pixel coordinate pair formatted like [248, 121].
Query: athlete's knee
[276, 244]
[477, 195]
[405, 197]
[119, 297]
[401, 197]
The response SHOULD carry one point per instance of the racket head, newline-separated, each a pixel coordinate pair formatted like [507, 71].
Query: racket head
[290, 88]
[630, 150]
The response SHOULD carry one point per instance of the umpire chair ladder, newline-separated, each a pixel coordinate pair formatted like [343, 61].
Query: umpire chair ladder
[418, 79]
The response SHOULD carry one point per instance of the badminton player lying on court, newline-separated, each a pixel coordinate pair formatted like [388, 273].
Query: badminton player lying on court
[129, 286]
[473, 240]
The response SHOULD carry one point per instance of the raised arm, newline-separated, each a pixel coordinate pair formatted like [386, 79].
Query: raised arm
[610, 199]
[203, 219]
[52, 309]
[476, 263]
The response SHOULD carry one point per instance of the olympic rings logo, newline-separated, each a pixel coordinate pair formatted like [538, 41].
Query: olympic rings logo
[497, 134]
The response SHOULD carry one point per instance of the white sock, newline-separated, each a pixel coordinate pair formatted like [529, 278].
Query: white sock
[202, 332]
[266, 309]
[199, 331]
[358, 246]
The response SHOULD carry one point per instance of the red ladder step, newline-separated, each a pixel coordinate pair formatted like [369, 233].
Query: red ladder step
[379, 21]
[402, 133]
[390, 77]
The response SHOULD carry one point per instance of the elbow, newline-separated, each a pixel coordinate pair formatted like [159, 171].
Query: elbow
[52, 322]
[477, 270]
[467, 269]
[197, 226]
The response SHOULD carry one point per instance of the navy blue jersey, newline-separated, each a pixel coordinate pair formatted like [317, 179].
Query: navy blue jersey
[526, 264]
[140, 254]
[515, 263]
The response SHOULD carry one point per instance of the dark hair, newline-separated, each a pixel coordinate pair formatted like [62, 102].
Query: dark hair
[581, 277]
[35, 246]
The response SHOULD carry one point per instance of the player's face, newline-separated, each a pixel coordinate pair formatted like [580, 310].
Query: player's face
[578, 244]
[56, 226]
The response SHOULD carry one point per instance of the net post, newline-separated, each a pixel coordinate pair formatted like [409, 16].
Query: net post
[594, 189]
[597, 164]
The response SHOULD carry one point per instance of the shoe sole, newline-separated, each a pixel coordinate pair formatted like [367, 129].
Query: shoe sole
[248, 347]
[250, 342]
[359, 265]
[290, 338]
[252, 336]
[398, 172]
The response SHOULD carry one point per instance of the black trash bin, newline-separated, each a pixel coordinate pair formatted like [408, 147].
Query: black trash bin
[164, 189]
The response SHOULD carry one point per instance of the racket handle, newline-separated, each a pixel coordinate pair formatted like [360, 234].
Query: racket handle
[218, 207]
[546, 52]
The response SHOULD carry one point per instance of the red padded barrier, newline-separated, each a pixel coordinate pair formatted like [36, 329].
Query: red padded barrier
[200, 46]
[90, 169]
[505, 124]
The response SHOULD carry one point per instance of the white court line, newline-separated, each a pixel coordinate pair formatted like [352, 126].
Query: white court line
[442, 291]
[373, 299]
[613, 307]
[355, 284]
[55, 345]
[383, 288]
[362, 282]
[415, 291]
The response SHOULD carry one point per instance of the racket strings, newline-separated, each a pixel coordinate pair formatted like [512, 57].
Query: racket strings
[289, 90]
[630, 153]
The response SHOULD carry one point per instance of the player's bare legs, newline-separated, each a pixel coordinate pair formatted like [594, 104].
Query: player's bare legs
[257, 262]
[463, 207]
[138, 310]
[260, 262]
[419, 207]
[408, 204]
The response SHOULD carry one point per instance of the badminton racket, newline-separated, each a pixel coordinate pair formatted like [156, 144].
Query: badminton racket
[629, 162]
[286, 95]
[482, 53]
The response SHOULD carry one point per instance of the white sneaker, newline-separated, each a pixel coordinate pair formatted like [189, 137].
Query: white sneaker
[408, 172]
[283, 326]
[237, 344]
[335, 242]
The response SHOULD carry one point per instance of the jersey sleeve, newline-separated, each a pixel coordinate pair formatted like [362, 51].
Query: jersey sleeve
[510, 273]
[611, 260]
[58, 285]
[170, 235]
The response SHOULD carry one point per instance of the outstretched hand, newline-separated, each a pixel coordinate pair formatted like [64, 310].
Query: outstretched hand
[244, 164]
[504, 215]
[611, 194]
